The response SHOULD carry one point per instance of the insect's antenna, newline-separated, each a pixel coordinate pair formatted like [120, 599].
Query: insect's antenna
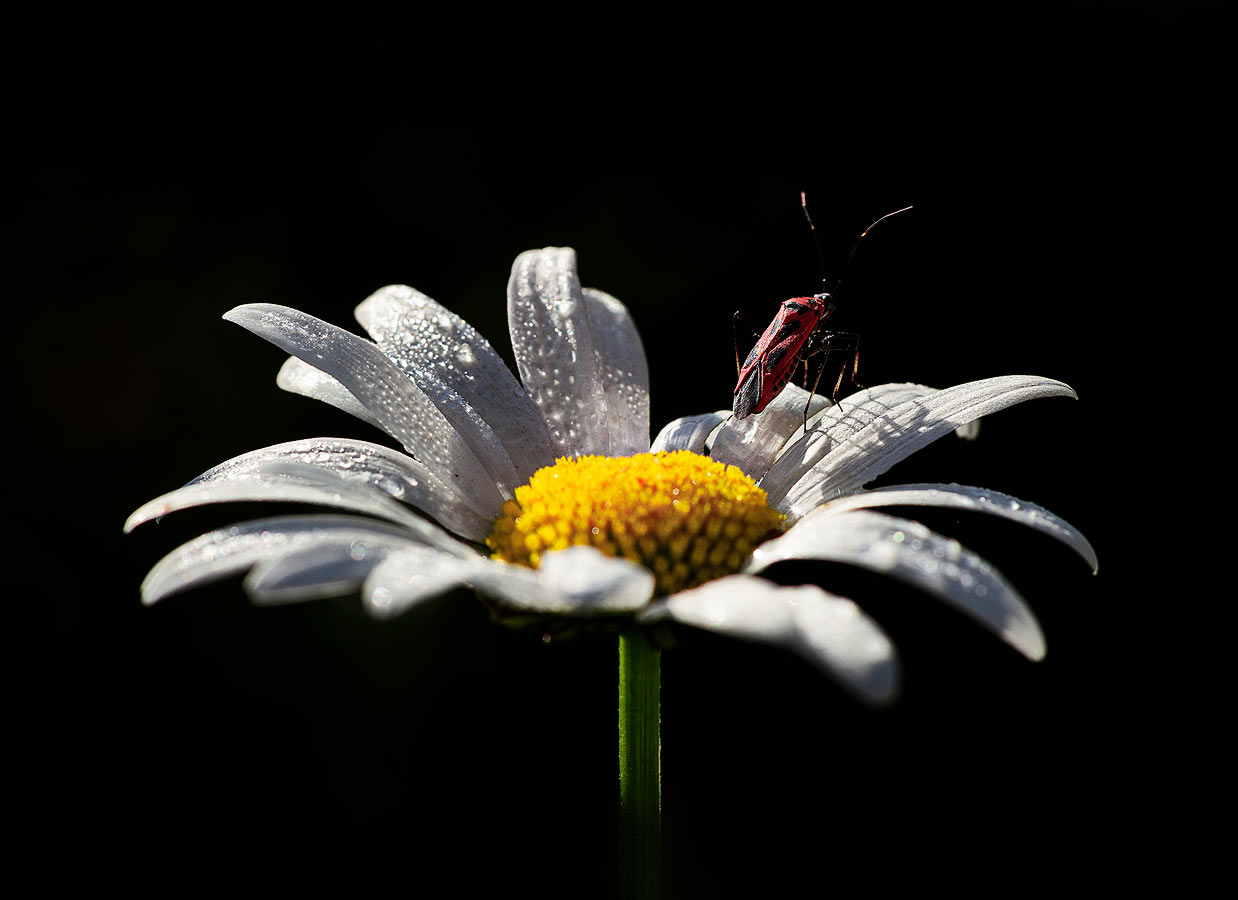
[863, 233]
[816, 240]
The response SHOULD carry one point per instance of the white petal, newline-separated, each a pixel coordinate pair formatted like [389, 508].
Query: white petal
[447, 357]
[555, 351]
[313, 574]
[625, 373]
[829, 631]
[752, 442]
[403, 411]
[959, 496]
[910, 552]
[689, 432]
[904, 430]
[228, 551]
[292, 482]
[578, 581]
[395, 474]
[712, 436]
[592, 583]
[829, 429]
[297, 377]
[412, 575]
[517, 587]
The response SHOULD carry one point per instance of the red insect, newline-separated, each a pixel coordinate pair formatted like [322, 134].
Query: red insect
[794, 335]
[791, 337]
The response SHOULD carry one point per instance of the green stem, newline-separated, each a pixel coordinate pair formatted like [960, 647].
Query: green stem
[640, 767]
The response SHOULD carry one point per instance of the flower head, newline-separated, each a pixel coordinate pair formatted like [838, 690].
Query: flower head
[546, 495]
[684, 517]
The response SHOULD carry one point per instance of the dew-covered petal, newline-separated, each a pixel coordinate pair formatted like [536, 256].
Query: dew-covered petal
[393, 473]
[555, 350]
[958, 496]
[689, 432]
[228, 551]
[288, 481]
[314, 573]
[297, 377]
[452, 363]
[830, 632]
[830, 428]
[913, 554]
[412, 575]
[753, 441]
[263, 489]
[906, 428]
[624, 371]
[365, 371]
[324, 488]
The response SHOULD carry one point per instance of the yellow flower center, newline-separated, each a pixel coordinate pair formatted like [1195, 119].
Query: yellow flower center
[683, 516]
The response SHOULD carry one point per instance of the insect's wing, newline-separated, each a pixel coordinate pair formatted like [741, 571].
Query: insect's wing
[750, 361]
[748, 391]
[783, 342]
[772, 361]
[748, 387]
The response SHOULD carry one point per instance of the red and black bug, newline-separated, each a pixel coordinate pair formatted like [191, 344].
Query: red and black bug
[794, 335]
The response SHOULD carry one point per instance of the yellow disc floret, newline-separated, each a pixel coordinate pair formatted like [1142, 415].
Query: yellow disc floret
[683, 516]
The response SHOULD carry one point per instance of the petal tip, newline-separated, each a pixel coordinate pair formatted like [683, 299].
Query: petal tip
[883, 685]
[1089, 554]
[1062, 388]
[247, 312]
[142, 514]
[1030, 642]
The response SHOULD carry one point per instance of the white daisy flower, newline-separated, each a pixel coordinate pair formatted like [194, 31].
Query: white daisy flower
[547, 497]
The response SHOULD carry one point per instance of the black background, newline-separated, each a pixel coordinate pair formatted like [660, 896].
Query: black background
[1070, 180]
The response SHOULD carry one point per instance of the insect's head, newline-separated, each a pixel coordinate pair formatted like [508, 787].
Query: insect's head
[826, 304]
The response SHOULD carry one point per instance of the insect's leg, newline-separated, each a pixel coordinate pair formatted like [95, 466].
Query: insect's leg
[825, 342]
[812, 392]
[735, 337]
[837, 384]
[740, 317]
[817, 343]
[855, 363]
